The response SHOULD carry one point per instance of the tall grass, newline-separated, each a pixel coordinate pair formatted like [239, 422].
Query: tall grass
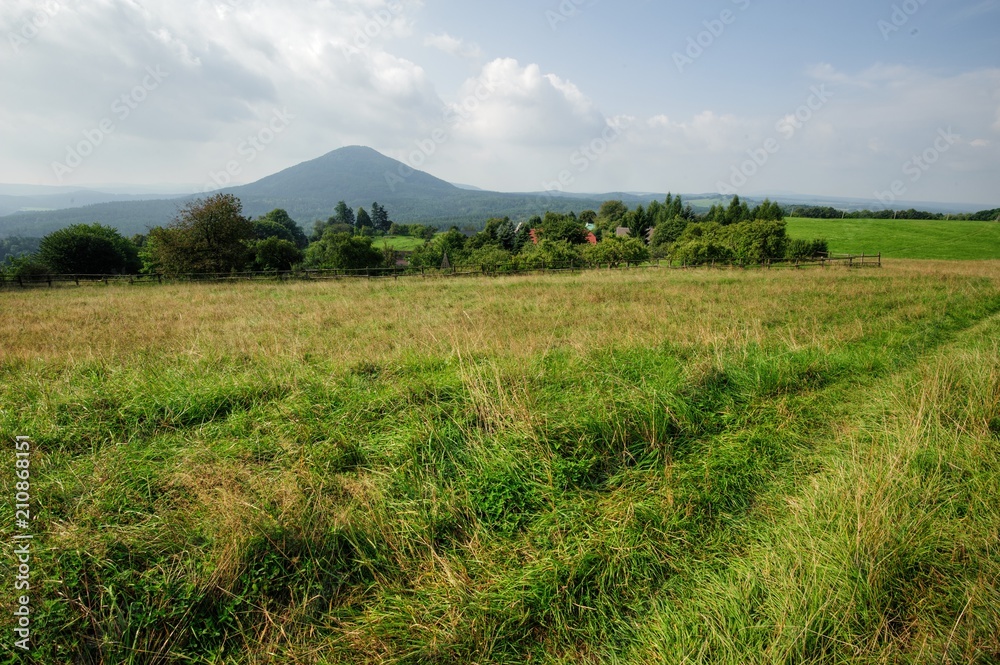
[633, 467]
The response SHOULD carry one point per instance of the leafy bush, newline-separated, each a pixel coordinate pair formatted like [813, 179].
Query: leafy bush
[556, 227]
[756, 242]
[27, 268]
[91, 249]
[550, 254]
[748, 242]
[432, 254]
[342, 251]
[265, 228]
[490, 257]
[806, 249]
[276, 254]
[616, 251]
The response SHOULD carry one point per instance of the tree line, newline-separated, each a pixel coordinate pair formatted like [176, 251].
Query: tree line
[214, 236]
[827, 212]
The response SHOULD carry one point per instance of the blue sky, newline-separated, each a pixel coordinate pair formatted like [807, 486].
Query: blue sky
[882, 100]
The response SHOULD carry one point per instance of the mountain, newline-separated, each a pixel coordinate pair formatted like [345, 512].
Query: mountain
[310, 191]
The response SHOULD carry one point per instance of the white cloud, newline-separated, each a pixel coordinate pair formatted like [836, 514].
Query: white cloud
[230, 66]
[454, 46]
[336, 66]
[510, 104]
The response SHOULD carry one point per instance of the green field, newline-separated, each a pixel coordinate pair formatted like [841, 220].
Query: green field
[647, 466]
[903, 239]
[399, 243]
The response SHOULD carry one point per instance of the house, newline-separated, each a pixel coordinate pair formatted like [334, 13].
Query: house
[623, 232]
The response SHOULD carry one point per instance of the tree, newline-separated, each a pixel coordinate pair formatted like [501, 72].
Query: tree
[498, 232]
[615, 251]
[758, 241]
[343, 251]
[556, 227]
[342, 215]
[768, 212]
[611, 213]
[736, 212]
[16, 246]
[749, 242]
[380, 219]
[432, 254]
[208, 236]
[276, 254]
[550, 254]
[638, 221]
[282, 218]
[363, 219]
[489, 258]
[264, 228]
[668, 231]
[26, 267]
[91, 249]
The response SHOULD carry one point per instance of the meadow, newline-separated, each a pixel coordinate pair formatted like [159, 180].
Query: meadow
[398, 243]
[903, 238]
[614, 466]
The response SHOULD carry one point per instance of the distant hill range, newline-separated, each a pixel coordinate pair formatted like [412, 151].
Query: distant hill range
[310, 191]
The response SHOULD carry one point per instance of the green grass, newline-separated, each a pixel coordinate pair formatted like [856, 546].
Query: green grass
[399, 243]
[633, 467]
[904, 239]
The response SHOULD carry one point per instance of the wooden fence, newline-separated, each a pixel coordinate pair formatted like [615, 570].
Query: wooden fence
[401, 272]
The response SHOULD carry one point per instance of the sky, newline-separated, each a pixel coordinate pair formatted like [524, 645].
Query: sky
[871, 99]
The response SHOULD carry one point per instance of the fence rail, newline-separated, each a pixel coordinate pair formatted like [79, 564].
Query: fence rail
[28, 281]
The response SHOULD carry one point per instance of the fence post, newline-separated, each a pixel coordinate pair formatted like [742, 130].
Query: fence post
[880, 259]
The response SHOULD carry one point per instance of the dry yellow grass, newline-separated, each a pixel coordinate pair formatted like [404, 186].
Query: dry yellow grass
[348, 322]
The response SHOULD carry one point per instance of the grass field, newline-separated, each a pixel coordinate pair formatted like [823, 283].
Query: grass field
[904, 239]
[399, 243]
[634, 467]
